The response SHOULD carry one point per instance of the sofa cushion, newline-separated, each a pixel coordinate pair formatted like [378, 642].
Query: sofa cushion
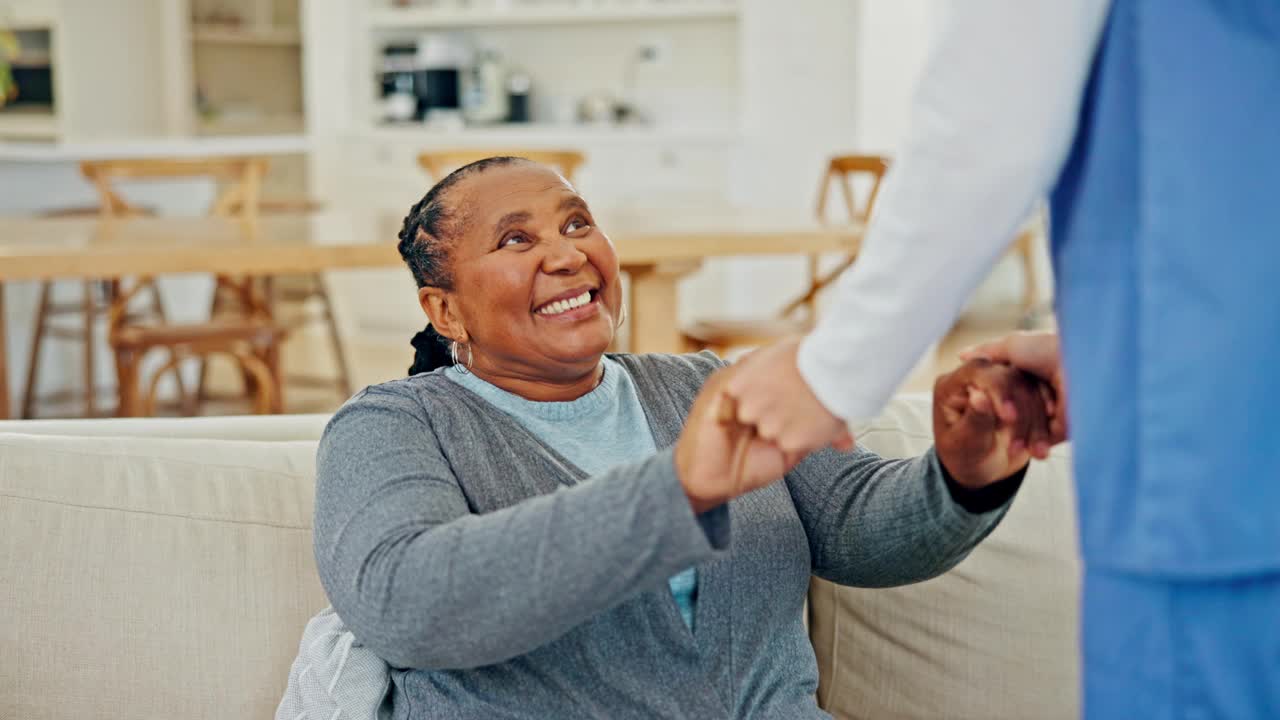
[152, 578]
[994, 638]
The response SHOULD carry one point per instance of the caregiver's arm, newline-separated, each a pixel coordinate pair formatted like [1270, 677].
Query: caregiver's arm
[873, 522]
[426, 583]
[992, 120]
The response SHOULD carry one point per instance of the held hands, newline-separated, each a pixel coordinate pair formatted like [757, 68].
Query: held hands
[989, 420]
[1004, 406]
[1037, 353]
[750, 425]
[718, 459]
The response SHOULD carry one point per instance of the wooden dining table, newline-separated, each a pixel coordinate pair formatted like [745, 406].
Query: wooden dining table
[656, 247]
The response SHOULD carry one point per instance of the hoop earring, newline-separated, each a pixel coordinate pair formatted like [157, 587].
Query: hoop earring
[622, 316]
[453, 352]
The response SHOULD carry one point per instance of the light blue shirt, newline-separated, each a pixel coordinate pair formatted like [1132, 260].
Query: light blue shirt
[604, 428]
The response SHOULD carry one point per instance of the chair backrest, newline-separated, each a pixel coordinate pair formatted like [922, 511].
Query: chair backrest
[842, 168]
[240, 179]
[240, 182]
[440, 163]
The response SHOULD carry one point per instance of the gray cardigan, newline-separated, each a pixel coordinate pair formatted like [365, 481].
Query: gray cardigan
[501, 584]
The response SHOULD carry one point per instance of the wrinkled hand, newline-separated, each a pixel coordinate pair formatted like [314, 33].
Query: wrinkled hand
[1038, 354]
[989, 420]
[706, 464]
[773, 397]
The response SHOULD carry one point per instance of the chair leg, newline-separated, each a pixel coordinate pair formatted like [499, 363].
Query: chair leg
[335, 338]
[157, 302]
[37, 340]
[148, 400]
[190, 404]
[126, 383]
[266, 396]
[247, 296]
[90, 399]
[271, 358]
[215, 306]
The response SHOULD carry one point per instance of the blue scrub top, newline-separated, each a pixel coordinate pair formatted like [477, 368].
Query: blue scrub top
[1166, 247]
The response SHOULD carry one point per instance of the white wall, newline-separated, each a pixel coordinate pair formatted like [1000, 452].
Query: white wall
[893, 42]
[798, 96]
[115, 52]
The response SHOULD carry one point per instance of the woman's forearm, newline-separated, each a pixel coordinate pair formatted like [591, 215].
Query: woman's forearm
[877, 523]
[479, 589]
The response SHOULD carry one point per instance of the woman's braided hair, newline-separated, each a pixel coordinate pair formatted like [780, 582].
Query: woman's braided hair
[427, 229]
[426, 240]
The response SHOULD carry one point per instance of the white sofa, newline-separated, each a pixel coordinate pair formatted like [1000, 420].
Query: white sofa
[163, 569]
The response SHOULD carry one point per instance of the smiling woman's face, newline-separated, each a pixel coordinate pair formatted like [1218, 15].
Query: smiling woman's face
[535, 282]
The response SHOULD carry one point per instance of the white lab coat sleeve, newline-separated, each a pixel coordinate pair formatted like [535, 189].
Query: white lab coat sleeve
[991, 123]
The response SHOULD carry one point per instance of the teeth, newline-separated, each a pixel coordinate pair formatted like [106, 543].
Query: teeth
[559, 306]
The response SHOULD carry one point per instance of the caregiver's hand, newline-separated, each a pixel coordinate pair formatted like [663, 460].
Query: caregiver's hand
[704, 455]
[1038, 354]
[774, 397]
[989, 420]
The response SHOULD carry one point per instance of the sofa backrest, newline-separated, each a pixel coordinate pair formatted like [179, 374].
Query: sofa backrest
[147, 578]
[155, 577]
[993, 639]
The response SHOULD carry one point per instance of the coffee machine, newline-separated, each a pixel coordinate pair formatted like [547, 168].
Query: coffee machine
[421, 78]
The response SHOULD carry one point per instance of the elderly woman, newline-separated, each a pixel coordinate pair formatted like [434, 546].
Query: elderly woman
[541, 530]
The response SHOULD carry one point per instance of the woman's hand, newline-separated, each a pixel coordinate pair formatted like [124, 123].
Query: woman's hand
[1038, 354]
[989, 420]
[707, 457]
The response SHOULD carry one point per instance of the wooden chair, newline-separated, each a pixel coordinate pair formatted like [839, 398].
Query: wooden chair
[439, 163]
[241, 178]
[240, 181]
[798, 315]
[252, 341]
